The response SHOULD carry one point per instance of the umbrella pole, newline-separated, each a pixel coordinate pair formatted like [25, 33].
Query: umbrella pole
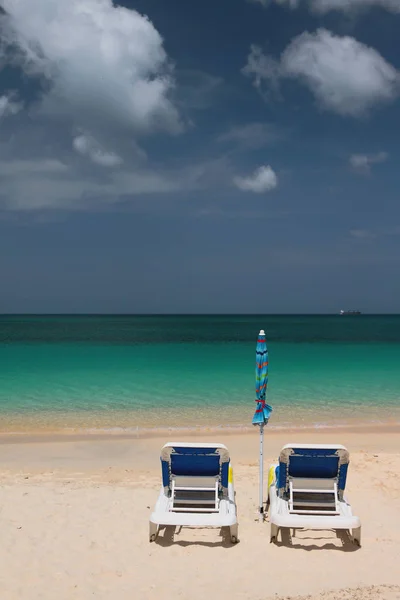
[261, 503]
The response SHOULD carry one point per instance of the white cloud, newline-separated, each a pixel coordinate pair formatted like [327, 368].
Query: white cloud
[9, 106]
[47, 183]
[87, 146]
[252, 135]
[263, 179]
[325, 6]
[363, 162]
[263, 68]
[105, 65]
[345, 76]
[104, 75]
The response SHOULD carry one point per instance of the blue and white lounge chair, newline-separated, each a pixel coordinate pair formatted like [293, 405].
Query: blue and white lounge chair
[306, 490]
[197, 488]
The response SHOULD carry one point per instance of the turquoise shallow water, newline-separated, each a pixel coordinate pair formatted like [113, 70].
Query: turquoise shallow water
[154, 372]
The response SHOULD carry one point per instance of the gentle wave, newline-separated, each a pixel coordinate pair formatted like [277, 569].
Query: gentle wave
[69, 372]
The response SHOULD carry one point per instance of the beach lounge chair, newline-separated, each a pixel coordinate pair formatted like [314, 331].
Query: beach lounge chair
[306, 490]
[197, 488]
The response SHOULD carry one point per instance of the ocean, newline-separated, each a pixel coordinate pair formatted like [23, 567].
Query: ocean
[138, 373]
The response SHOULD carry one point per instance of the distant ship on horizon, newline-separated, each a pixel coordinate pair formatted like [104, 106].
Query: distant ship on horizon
[350, 312]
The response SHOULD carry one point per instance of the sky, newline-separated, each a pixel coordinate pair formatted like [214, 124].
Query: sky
[223, 156]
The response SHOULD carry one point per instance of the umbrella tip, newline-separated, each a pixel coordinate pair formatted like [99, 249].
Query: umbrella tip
[262, 332]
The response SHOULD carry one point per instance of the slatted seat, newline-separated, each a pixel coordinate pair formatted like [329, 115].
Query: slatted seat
[313, 496]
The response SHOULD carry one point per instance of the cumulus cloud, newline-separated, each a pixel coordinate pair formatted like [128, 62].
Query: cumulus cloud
[9, 105]
[325, 6]
[264, 179]
[101, 72]
[88, 146]
[363, 162]
[345, 76]
[102, 64]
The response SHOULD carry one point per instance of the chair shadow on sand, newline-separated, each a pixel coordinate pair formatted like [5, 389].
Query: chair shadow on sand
[167, 537]
[286, 536]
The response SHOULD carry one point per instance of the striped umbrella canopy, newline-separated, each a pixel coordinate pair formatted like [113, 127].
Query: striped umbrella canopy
[263, 410]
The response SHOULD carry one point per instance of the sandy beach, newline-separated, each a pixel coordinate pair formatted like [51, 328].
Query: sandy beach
[74, 516]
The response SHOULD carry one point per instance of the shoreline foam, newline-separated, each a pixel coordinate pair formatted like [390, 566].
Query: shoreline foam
[148, 423]
[189, 432]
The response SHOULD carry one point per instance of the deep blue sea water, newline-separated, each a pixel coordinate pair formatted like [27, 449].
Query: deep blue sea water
[185, 371]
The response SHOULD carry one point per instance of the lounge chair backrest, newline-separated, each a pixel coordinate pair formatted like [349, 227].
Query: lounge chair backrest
[195, 464]
[313, 465]
[194, 461]
[313, 461]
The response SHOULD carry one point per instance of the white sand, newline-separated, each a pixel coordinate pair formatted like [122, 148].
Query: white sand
[74, 525]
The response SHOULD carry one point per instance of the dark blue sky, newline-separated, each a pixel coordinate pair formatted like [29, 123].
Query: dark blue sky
[228, 156]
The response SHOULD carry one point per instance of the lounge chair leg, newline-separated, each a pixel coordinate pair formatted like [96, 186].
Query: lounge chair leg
[153, 530]
[234, 531]
[273, 532]
[357, 536]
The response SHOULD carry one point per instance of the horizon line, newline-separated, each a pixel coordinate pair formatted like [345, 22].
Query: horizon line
[188, 314]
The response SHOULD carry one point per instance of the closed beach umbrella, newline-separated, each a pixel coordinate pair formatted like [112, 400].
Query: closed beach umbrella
[263, 410]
